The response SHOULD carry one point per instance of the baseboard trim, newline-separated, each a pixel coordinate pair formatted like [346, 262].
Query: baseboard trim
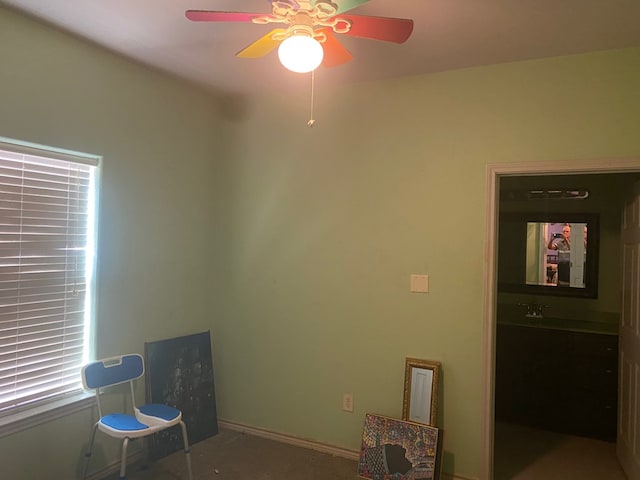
[290, 439]
[310, 444]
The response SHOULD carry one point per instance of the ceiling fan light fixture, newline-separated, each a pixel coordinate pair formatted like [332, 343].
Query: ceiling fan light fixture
[300, 53]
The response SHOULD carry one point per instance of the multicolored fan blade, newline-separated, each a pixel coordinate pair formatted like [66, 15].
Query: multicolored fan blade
[211, 16]
[344, 5]
[334, 53]
[396, 30]
[262, 46]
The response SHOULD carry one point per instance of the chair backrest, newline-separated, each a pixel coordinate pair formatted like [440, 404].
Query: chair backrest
[112, 371]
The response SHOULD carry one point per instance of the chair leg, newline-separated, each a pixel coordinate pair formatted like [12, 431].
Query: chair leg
[187, 452]
[123, 461]
[89, 452]
[146, 448]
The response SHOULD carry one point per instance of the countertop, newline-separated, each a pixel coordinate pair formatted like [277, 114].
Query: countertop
[584, 326]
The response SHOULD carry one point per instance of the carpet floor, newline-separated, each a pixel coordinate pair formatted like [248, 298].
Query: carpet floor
[524, 453]
[232, 455]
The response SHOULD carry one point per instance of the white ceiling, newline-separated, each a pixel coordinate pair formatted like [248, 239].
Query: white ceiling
[448, 34]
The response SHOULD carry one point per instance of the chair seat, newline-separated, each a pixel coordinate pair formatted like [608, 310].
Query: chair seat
[122, 425]
[158, 416]
[165, 412]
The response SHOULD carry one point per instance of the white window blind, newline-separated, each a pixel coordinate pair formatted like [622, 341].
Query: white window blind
[46, 235]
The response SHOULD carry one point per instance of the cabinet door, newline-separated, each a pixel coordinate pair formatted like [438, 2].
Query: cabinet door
[549, 389]
[557, 380]
[511, 357]
[594, 385]
[531, 373]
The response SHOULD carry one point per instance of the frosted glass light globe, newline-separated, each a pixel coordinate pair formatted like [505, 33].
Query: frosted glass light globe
[300, 53]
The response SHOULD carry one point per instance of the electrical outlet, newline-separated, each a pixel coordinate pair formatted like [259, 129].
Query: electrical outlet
[347, 402]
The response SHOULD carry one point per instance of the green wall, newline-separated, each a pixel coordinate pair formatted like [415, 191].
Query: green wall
[294, 245]
[161, 141]
[326, 224]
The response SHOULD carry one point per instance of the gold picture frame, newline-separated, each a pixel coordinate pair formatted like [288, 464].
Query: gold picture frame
[420, 400]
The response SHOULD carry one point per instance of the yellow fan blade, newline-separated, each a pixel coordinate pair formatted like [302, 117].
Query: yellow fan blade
[262, 46]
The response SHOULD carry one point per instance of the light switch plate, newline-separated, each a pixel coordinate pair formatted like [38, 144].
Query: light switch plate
[347, 402]
[420, 283]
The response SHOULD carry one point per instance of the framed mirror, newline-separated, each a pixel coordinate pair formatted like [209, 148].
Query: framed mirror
[549, 253]
[420, 402]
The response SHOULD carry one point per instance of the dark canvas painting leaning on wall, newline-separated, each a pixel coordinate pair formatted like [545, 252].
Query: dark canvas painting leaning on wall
[180, 374]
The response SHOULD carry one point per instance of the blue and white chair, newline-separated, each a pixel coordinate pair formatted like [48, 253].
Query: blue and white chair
[146, 420]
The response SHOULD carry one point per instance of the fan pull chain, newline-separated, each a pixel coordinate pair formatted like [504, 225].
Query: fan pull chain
[312, 121]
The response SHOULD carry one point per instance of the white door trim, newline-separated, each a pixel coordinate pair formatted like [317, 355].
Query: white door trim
[494, 172]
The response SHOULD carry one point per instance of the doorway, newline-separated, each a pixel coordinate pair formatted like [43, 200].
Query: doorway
[494, 174]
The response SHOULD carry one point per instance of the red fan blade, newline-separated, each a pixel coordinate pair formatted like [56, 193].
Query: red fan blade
[334, 53]
[262, 46]
[396, 30]
[209, 16]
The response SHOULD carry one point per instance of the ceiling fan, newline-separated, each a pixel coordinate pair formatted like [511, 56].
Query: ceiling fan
[313, 23]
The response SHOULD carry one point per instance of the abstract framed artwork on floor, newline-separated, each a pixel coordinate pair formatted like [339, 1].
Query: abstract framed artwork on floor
[397, 449]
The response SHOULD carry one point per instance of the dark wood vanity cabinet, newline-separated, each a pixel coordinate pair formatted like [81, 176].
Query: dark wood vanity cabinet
[559, 380]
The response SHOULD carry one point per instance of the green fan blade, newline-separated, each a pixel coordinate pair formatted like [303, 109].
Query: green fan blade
[346, 5]
[343, 5]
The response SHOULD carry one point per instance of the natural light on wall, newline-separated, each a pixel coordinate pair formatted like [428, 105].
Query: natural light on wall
[300, 53]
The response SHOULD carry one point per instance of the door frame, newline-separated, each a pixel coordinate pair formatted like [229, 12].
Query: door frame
[494, 172]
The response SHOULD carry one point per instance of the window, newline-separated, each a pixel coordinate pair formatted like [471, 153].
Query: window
[46, 262]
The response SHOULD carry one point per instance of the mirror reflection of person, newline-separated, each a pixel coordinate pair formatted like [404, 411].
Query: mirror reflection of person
[562, 244]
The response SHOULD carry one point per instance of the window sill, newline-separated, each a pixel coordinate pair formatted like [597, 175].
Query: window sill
[37, 415]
